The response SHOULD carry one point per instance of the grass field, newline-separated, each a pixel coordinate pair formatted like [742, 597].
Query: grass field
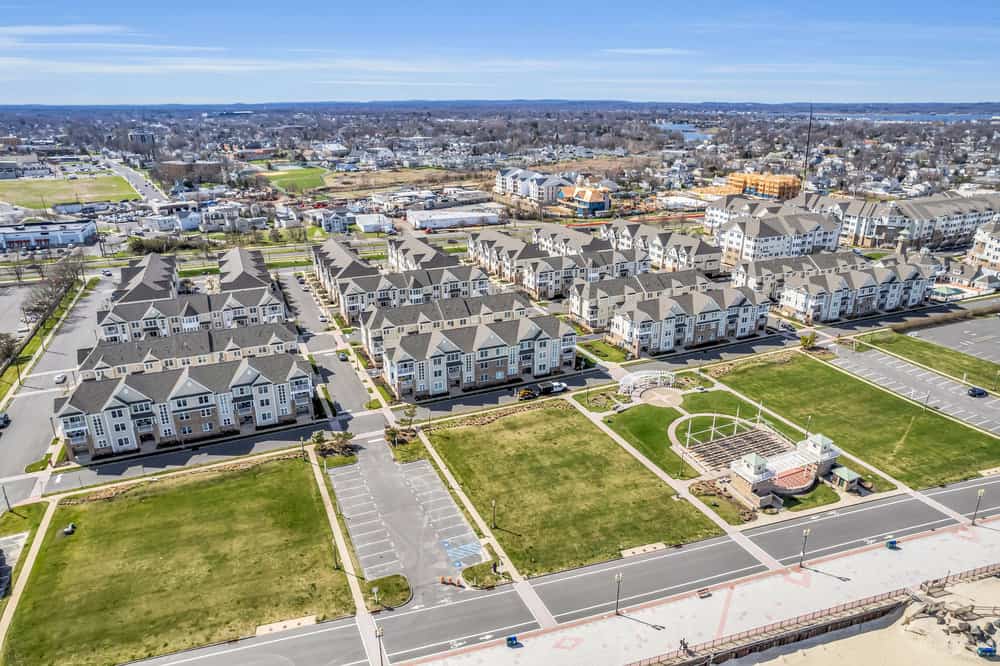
[917, 446]
[645, 428]
[21, 519]
[724, 402]
[728, 509]
[818, 496]
[604, 351]
[948, 361]
[44, 193]
[303, 179]
[178, 563]
[600, 400]
[566, 494]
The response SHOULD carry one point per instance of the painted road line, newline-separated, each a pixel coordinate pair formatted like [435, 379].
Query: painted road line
[872, 538]
[459, 642]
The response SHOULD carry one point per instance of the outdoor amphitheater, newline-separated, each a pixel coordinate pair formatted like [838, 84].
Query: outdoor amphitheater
[716, 447]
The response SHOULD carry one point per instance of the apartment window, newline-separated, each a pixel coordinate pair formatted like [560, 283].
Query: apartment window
[204, 399]
[186, 430]
[148, 365]
[226, 421]
[265, 416]
[164, 414]
[182, 403]
[168, 432]
[205, 413]
[206, 427]
[98, 425]
[282, 393]
[262, 390]
[184, 416]
[265, 402]
[117, 413]
[121, 427]
[483, 377]
[124, 441]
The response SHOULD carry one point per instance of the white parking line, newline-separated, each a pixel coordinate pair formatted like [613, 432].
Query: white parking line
[378, 554]
[356, 535]
[371, 543]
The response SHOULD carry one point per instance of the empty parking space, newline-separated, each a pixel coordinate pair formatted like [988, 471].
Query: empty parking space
[402, 520]
[924, 386]
[978, 337]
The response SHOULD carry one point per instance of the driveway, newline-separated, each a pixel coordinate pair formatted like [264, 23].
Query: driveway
[402, 520]
[945, 395]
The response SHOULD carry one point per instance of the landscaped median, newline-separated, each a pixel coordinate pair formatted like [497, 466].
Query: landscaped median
[176, 562]
[915, 445]
[567, 495]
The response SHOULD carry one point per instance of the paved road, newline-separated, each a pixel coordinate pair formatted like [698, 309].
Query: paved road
[18, 490]
[336, 643]
[591, 590]
[883, 320]
[901, 377]
[138, 182]
[843, 529]
[962, 497]
[979, 337]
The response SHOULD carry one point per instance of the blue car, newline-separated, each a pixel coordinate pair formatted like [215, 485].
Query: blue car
[976, 392]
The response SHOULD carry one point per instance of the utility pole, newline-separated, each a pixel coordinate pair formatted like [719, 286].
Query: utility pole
[805, 537]
[618, 592]
[493, 504]
[378, 634]
[6, 500]
[979, 499]
[805, 159]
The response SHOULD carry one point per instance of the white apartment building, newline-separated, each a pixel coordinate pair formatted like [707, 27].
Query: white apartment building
[986, 248]
[783, 235]
[539, 187]
[852, 294]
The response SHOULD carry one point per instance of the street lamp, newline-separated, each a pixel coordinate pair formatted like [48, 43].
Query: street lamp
[493, 504]
[378, 635]
[979, 499]
[805, 537]
[618, 592]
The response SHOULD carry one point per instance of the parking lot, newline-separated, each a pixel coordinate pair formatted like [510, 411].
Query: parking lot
[978, 337]
[402, 520]
[945, 395]
[11, 299]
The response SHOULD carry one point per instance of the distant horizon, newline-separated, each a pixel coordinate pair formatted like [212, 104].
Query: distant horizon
[112, 52]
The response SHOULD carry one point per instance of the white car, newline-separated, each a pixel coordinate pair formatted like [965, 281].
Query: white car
[558, 387]
[60, 379]
[323, 319]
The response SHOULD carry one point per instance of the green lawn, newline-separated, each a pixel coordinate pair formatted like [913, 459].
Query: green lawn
[645, 428]
[604, 351]
[566, 494]
[600, 400]
[728, 509]
[22, 519]
[820, 495]
[393, 591]
[304, 179]
[917, 446]
[724, 402]
[948, 361]
[197, 272]
[45, 193]
[179, 563]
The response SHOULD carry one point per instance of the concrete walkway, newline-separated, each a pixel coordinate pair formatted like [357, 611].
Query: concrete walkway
[22, 579]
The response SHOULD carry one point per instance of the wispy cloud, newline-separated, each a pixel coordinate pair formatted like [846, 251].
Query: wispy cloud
[133, 47]
[653, 51]
[402, 82]
[61, 30]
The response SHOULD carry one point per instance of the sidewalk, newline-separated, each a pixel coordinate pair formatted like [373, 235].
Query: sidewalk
[657, 628]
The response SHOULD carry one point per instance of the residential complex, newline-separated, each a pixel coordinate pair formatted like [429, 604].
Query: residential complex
[986, 247]
[414, 254]
[772, 186]
[781, 235]
[354, 295]
[669, 250]
[424, 365]
[539, 187]
[768, 276]
[593, 304]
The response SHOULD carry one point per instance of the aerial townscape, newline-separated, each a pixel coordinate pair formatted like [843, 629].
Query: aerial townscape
[487, 356]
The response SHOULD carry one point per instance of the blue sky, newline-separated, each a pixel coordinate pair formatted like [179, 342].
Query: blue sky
[114, 52]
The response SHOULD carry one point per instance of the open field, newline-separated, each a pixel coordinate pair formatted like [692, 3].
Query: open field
[22, 519]
[724, 402]
[301, 179]
[46, 192]
[361, 183]
[604, 351]
[936, 357]
[600, 399]
[917, 446]
[179, 562]
[567, 495]
[645, 428]
[820, 495]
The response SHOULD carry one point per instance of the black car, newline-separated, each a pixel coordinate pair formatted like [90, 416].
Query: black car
[976, 392]
[4, 420]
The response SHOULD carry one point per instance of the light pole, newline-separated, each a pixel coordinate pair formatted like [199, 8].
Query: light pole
[808, 423]
[375, 592]
[618, 591]
[378, 635]
[493, 504]
[979, 499]
[805, 537]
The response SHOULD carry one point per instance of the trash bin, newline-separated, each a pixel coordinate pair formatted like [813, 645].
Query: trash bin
[512, 641]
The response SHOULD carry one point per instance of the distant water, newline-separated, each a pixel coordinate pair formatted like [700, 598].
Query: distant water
[689, 132]
[907, 117]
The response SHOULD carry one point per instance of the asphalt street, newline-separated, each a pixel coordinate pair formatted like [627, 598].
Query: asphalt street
[336, 643]
[18, 490]
[883, 320]
[138, 182]
[962, 497]
[945, 395]
[838, 530]
[978, 337]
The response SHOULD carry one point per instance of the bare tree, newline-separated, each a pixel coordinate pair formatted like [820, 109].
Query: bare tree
[8, 352]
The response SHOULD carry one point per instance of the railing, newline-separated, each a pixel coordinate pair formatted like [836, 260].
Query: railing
[746, 637]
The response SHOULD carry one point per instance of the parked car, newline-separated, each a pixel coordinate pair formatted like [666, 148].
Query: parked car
[323, 319]
[342, 355]
[107, 273]
[545, 388]
[527, 394]
[976, 392]
[4, 420]
[60, 378]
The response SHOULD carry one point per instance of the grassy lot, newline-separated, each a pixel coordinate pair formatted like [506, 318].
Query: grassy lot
[727, 508]
[21, 519]
[45, 193]
[818, 496]
[302, 179]
[600, 400]
[410, 451]
[690, 380]
[604, 351]
[287, 263]
[38, 465]
[481, 575]
[645, 428]
[566, 494]
[250, 546]
[948, 361]
[393, 591]
[917, 446]
[197, 272]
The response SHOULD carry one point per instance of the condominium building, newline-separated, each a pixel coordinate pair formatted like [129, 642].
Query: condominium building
[671, 323]
[818, 298]
[767, 276]
[986, 247]
[334, 261]
[782, 235]
[414, 254]
[668, 250]
[732, 206]
[146, 411]
[553, 277]
[424, 365]
[356, 294]
[593, 304]
[772, 186]
[155, 354]
[539, 187]
[558, 240]
[501, 254]
[383, 327]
